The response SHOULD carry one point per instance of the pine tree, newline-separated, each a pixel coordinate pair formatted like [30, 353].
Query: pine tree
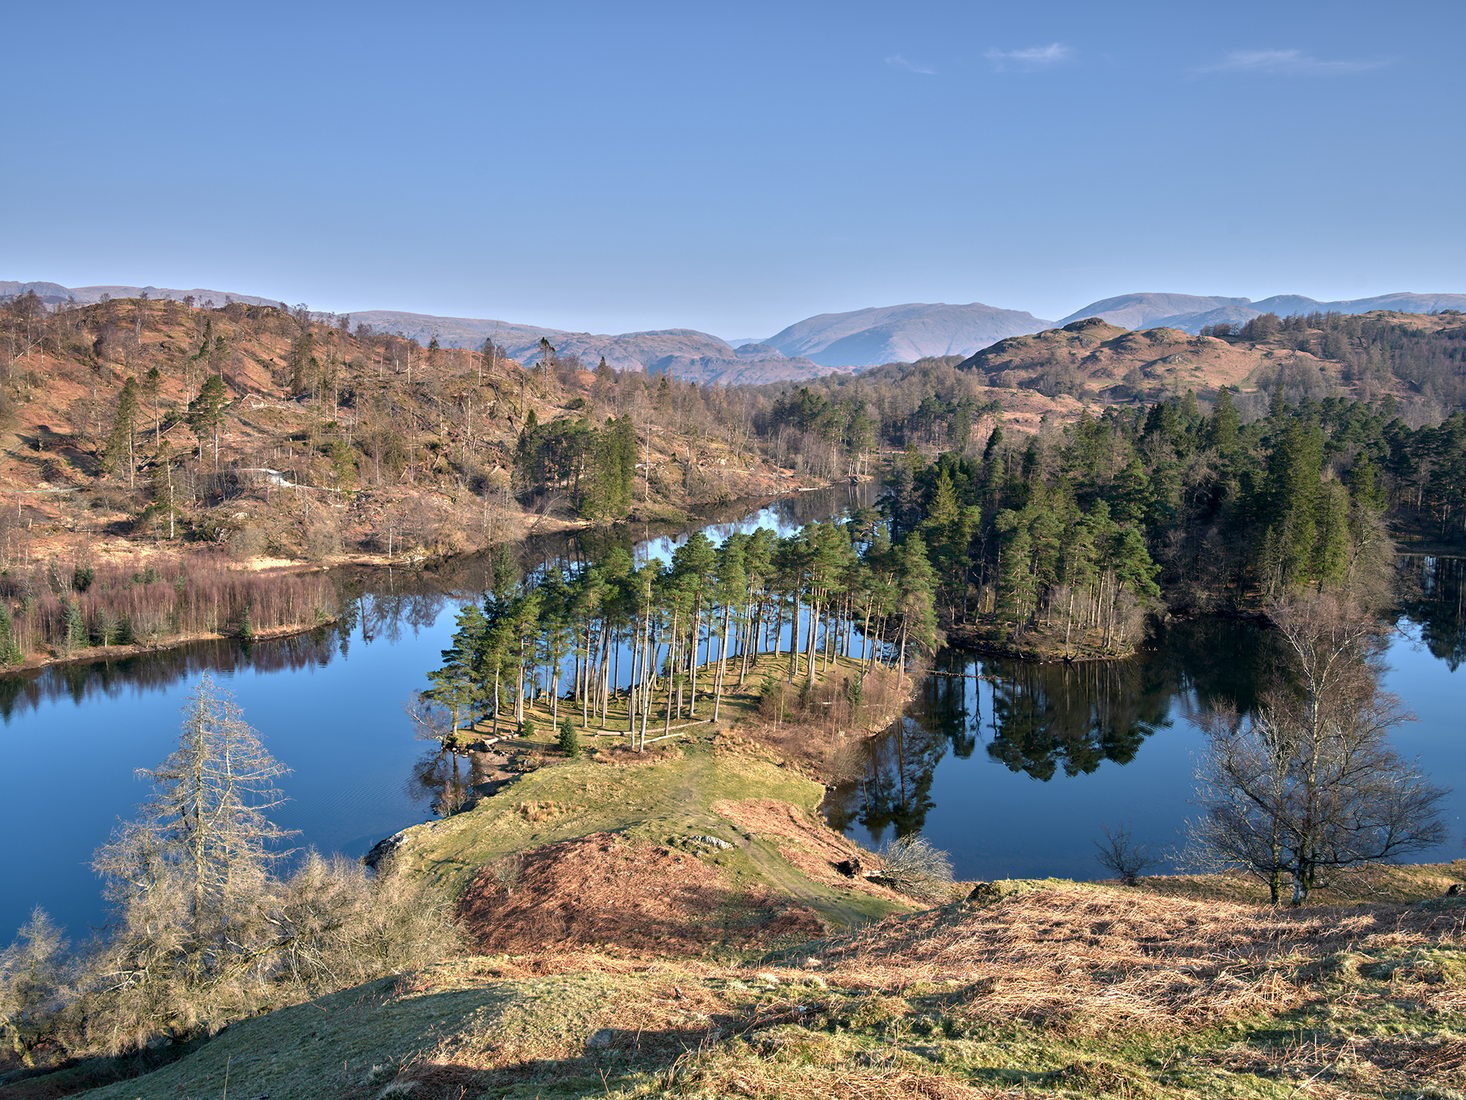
[569, 739]
[10, 651]
[74, 627]
[206, 413]
[119, 450]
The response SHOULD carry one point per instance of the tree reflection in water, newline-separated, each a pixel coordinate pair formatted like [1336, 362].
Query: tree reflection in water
[1435, 597]
[1046, 720]
[445, 781]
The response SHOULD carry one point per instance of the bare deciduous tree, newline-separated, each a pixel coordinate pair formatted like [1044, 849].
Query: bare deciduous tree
[204, 932]
[32, 971]
[913, 865]
[1309, 781]
[1123, 855]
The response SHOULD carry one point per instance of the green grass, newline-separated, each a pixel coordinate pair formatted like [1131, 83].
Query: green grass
[662, 797]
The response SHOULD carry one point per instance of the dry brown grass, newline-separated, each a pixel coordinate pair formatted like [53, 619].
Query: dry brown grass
[729, 1073]
[1082, 960]
[1370, 882]
[626, 895]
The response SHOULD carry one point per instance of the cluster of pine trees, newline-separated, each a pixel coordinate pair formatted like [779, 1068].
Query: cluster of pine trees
[663, 642]
[594, 467]
[1069, 538]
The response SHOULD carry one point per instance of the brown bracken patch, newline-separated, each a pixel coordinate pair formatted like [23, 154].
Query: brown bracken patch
[625, 895]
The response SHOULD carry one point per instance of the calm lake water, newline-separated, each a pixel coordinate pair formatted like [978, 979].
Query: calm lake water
[1014, 768]
[329, 705]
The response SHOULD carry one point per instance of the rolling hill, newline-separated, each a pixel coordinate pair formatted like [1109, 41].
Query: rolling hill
[1190, 313]
[904, 333]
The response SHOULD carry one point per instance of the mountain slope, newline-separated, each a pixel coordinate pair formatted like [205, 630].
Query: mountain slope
[903, 333]
[1146, 309]
[1191, 313]
[680, 352]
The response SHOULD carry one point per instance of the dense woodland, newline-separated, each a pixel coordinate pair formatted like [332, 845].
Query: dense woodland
[1077, 534]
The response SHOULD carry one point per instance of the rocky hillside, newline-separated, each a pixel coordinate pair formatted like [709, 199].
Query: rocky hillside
[1412, 357]
[316, 442]
[1098, 361]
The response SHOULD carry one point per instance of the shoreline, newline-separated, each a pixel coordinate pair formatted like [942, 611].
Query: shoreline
[107, 653]
[281, 567]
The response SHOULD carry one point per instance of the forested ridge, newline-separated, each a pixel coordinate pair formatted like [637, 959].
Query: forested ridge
[1413, 366]
[1072, 537]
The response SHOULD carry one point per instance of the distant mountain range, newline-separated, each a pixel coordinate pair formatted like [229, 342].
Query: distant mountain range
[1189, 312]
[902, 334]
[808, 348]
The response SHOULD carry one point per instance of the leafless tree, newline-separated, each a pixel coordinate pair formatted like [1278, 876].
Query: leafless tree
[1309, 781]
[32, 975]
[1122, 855]
[913, 865]
[204, 932]
[190, 878]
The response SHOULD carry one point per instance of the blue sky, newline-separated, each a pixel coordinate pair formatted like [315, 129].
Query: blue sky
[734, 167]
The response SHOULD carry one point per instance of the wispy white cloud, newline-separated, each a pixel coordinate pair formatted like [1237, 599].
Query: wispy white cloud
[1030, 57]
[897, 61]
[1291, 63]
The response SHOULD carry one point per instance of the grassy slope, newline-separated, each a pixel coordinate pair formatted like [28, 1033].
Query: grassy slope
[1052, 989]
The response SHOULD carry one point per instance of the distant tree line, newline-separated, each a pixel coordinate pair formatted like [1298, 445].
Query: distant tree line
[1373, 348]
[62, 609]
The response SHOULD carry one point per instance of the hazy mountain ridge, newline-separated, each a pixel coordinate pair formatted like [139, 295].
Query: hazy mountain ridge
[682, 353]
[822, 344]
[56, 294]
[1190, 313]
[902, 333]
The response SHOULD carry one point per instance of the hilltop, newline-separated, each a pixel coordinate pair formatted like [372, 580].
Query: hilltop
[1410, 357]
[1105, 363]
